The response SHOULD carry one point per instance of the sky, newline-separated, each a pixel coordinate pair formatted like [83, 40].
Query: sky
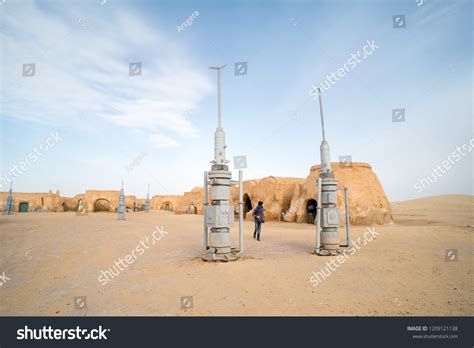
[84, 120]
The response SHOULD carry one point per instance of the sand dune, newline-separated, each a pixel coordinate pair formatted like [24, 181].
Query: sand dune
[51, 258]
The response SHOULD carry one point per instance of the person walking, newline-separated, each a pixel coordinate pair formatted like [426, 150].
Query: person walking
[258, 215]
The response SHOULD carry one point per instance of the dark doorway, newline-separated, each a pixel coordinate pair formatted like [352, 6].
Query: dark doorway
[247, 204]
[102, 205]
[23, 207]
[167, 206]
[311, 210]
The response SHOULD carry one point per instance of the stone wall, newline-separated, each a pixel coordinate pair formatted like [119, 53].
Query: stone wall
[50, 201]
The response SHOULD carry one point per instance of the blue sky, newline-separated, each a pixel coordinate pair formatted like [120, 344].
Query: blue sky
[167, 115]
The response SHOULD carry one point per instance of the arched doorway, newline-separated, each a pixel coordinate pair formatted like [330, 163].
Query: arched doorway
[247, 204]
[192, 209]
[311, 210]
[65, 207]
[23, 207]
[102, 204]
[167, 206]
[80, 205]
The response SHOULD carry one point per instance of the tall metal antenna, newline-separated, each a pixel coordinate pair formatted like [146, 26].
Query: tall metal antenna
[121, 205]
[219, 214]
[328, 214]
[218, 68]
[147, 201]
[8, 205]
[321, 112]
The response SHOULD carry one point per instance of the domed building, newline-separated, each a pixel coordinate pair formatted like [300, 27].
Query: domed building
[290, 199]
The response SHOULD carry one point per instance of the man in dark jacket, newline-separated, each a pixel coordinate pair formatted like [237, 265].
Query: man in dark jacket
[259, 219]
[311, 213]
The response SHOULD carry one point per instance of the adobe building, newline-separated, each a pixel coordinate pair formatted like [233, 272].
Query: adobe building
[101, 201]
[286, 199]
[27, 202]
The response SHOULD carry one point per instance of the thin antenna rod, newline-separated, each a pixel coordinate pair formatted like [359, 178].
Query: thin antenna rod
[218, 68]
[321, 112]
[219, 120]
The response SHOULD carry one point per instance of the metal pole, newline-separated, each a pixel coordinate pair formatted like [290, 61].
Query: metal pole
[348, 232]
[321, 111]
[219, 122]
[204, 212]
[218, 68]
[318, 218]
[241, 212]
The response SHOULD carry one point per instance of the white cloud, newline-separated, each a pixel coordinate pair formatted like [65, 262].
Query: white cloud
[82, 67]
[160, 141]
[435, 11]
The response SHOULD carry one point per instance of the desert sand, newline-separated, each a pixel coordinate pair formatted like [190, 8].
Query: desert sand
[51, 258]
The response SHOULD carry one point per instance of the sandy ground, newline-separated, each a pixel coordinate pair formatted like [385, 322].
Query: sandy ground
[50, 258]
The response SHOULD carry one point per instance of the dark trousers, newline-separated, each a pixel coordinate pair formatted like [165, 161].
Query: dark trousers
[258, 228]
